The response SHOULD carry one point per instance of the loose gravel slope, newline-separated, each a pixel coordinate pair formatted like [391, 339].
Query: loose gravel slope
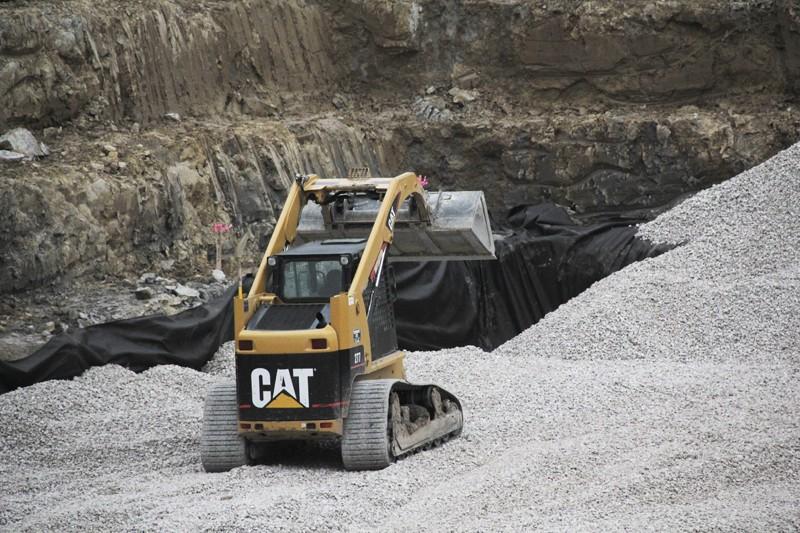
[667, 396]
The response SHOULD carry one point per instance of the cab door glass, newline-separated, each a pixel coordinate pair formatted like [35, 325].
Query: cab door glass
[311, 279]
[296, 279]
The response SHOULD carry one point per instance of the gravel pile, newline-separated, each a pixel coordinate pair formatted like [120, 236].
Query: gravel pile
[222, 364]
[666, 396]
[732, 292]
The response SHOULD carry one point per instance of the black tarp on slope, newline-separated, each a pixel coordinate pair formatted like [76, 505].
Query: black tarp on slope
[543, 259]
[189, 338]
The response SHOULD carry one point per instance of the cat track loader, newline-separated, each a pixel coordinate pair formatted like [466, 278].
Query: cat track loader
[316, 346]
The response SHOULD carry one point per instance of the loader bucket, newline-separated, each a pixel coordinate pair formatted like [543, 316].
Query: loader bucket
[459, 228]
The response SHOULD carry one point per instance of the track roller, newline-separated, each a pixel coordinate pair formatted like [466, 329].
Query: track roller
[390, 418]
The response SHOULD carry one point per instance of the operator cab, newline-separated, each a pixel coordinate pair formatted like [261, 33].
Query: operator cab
[304, 279]
[315, 271]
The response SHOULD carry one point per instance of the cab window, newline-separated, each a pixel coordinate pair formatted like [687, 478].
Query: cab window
[310, 279]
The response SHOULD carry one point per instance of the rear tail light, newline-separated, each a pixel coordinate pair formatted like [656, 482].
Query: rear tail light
[326, 424]
[245, 345]
[319, 344]
[244, 426]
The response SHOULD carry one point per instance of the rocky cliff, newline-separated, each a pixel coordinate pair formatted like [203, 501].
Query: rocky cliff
[163, 117]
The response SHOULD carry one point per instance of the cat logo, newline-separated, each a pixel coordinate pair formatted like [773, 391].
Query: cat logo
[392, 214]
[283, 395]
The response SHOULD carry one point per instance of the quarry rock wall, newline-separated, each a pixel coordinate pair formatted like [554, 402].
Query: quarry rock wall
[143, 60]
[165, 116]
[150, 205]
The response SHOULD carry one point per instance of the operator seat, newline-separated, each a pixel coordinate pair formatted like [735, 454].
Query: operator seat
[333, 281]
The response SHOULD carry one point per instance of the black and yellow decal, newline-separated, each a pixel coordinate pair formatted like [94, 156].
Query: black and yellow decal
[390, 219]
[296, 386]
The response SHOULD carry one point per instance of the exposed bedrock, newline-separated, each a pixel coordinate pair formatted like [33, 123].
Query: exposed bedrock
[139, 62]
[613, 51]
[128, 204]
[256, 56]
[608, 108]
[598, 164]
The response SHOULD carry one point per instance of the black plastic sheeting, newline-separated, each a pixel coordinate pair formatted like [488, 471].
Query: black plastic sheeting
[543, 260]
[189, 338]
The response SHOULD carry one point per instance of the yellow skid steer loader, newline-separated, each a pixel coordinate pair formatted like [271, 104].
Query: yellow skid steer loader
[316, 346]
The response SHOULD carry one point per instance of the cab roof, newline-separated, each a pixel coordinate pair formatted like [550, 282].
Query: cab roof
[327, 247]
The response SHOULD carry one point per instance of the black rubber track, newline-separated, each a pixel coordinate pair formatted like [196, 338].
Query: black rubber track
[365, 445]
[221, 447]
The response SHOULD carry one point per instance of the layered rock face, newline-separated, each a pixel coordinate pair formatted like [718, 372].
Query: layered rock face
[616, 50]
[139, 61]
[605, 107]
[165, 117]
[121, 206]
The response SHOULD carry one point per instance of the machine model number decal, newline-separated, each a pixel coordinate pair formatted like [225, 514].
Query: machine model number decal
[358, 358]
[283, 394]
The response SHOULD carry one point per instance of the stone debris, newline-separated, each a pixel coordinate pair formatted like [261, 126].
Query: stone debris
[464, 77]
[431, 108]
[218, 275]
[148, 277]
[339, 101]
[143, 293]
[174, 117]
[8, 155]
[80, 305]
[665, 397]
[259, 107]
[462, 96]
[186, 292]
[22, 141]
[49, 133]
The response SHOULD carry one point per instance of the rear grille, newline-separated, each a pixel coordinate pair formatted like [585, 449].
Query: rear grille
[285, 317]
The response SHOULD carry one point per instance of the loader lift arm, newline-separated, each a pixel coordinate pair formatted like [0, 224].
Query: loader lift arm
[311, 187]
[392, 192]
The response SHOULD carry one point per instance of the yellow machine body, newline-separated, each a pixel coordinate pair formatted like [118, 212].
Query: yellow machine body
[316, 343]
[347, 309]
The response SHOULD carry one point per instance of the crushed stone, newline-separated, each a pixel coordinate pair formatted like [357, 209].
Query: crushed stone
[666, 396]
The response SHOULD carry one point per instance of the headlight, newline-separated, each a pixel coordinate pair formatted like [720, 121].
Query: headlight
[344, 260]
[271, 261]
